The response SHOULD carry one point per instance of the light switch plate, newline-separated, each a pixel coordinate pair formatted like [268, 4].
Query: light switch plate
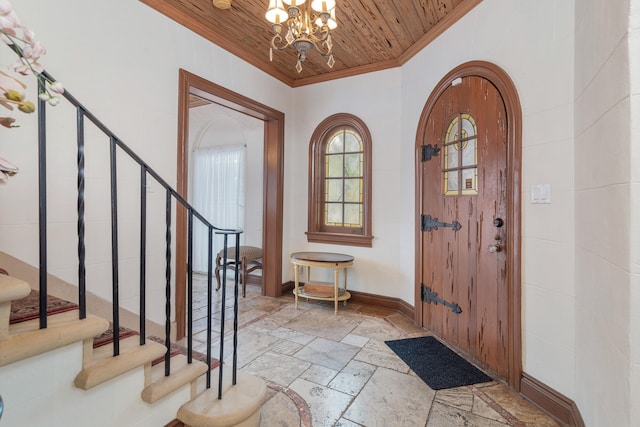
[540, 193]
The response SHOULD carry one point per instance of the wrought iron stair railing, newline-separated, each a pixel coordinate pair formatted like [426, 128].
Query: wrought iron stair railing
[171, 195]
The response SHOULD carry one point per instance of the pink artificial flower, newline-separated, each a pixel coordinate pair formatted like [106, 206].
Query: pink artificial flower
[8, 18]
[5, 7]
[7, 169]
[24, 66]
[34, 51]
[7, 122]
[5, 38]
[28, 35]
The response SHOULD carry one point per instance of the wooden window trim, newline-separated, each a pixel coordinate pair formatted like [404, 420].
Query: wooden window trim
[315, 231]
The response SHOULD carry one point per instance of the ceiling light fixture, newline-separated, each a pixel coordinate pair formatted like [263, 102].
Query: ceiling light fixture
[222, 4]
[305, 28]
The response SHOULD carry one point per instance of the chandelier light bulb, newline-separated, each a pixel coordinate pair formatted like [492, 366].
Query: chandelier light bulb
[308, 26]
[330, 20]
[276, 13]
[293, 3]
[323, 5]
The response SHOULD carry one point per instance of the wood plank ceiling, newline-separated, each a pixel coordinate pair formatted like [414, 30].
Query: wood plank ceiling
[371, 34]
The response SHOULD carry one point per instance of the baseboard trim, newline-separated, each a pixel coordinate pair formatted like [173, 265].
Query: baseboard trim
[381, 301]
[371, 300]
[288, 287]
[554, 403]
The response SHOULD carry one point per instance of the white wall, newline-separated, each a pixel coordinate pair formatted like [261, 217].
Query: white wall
[35, 394]
[634, 320]
[121, 59]
[606, 180]
[387, 267]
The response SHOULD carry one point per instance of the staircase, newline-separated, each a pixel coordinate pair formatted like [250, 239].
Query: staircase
[50, 372]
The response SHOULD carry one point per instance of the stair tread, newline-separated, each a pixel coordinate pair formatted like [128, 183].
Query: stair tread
[12, 289]
[26, 339]
[104, 366]
[239, 402]
[182, 373]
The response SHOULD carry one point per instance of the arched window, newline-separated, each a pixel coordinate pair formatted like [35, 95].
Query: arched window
[340, 182]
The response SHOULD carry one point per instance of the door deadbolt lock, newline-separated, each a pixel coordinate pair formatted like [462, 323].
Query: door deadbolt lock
[498, 222]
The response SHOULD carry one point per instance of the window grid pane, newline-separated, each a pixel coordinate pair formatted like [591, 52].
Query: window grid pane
[343, 195]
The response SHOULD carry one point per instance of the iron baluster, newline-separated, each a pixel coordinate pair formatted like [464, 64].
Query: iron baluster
[209, 304]
[190, 286]
[114, 249]
[82, 272]
[235, 310]
[222, 313]
[143, 253]
[42, 207]
[167, 331]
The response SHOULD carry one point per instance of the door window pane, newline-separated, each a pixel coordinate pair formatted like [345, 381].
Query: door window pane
[460, 160]
[469, 153]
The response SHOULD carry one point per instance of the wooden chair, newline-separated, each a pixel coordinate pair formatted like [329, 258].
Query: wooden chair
[250, 259]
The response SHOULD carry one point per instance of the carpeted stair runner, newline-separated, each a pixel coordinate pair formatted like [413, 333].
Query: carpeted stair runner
[28, 308]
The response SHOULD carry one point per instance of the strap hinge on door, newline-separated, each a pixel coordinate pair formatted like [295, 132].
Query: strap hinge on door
[428, 223]
[429, 151]
[428, 296]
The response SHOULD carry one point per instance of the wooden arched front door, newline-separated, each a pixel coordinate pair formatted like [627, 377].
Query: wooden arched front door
[467, 287]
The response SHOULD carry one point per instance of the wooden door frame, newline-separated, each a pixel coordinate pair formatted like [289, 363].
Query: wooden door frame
[273, 181]
[500, 79]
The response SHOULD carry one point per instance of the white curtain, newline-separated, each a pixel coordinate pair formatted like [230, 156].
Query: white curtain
[218, 194]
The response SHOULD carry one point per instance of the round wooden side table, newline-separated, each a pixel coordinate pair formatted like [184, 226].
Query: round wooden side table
[323, 291]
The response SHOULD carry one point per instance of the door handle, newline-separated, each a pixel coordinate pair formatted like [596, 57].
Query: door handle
[497, 247]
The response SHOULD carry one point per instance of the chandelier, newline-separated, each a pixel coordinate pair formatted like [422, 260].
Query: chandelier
[305, 28]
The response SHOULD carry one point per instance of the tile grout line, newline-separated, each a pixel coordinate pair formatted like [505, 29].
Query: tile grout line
[303, 407]
[515, 422]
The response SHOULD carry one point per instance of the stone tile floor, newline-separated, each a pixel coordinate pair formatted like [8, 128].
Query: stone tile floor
[323, 369]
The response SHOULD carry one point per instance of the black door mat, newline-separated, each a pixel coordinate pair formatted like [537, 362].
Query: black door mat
[436, 364]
